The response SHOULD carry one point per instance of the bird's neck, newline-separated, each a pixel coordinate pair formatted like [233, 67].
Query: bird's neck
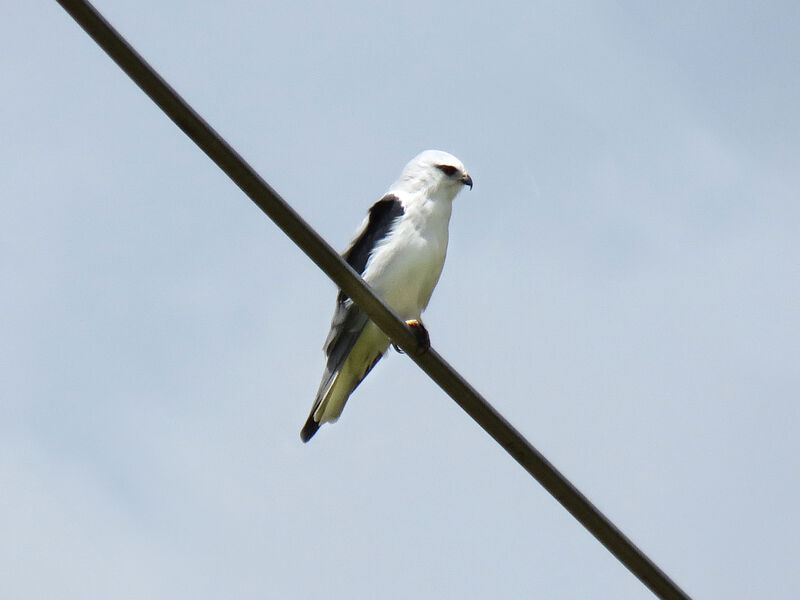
[429, 211]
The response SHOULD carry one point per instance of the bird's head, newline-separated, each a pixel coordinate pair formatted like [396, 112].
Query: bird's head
[435, 172]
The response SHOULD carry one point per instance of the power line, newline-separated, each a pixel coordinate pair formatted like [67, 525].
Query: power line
[327, 259]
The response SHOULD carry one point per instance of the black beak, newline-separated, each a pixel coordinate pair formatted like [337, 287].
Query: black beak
[466, 180]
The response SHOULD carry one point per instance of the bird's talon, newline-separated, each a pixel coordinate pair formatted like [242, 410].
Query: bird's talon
[419, 331]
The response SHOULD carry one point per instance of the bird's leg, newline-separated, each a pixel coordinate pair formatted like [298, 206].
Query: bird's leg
[420, 333]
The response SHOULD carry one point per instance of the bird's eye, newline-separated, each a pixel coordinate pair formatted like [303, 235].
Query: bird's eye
[448, 170]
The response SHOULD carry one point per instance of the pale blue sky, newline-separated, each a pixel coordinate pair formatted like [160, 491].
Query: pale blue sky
[623, 284]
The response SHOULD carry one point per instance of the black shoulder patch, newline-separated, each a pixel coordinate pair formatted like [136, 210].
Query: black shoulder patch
[382, 216]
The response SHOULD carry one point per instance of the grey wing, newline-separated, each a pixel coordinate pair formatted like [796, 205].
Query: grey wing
[347, 324]
[348, 319]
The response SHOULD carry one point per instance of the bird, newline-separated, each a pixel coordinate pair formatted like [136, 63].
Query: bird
[399, 250]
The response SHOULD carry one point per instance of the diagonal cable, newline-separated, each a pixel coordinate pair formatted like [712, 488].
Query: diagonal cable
[327, 259]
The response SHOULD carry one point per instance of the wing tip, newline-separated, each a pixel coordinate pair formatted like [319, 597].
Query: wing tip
[309, 429]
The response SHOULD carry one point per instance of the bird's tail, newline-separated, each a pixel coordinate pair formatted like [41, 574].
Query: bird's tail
[329, 404]
[332, 396]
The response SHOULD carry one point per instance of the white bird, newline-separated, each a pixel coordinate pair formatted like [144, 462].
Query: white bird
[399, 250]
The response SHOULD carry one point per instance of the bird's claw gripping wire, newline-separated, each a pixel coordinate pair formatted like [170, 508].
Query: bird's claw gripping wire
[420, 333]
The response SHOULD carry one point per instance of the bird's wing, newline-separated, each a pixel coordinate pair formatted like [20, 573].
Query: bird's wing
[348, 319]
[374, 229]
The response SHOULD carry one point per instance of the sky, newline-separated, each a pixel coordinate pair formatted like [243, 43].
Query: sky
[622, 284]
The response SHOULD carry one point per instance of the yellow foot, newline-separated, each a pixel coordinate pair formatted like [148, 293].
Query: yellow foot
[420, 333]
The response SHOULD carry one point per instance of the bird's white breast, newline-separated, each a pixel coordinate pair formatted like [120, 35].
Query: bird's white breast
[405, 268]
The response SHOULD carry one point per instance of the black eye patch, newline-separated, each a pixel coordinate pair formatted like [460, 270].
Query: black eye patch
[448, 170]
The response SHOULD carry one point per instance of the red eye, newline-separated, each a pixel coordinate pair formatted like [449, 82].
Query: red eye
[448, 170]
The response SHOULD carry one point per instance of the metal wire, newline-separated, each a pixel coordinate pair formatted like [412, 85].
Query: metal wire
[327, 259]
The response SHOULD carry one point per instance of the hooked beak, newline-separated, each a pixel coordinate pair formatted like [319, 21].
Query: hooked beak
[466, 180]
